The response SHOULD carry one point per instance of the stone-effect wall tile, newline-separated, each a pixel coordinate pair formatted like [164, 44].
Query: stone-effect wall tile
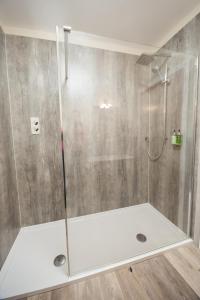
[9, 206]
[32, 68]
[106, 161]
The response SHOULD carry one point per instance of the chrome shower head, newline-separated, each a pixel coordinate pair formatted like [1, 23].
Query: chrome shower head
[145, 59]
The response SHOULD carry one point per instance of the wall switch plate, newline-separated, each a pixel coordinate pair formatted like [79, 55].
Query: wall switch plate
[35, 125]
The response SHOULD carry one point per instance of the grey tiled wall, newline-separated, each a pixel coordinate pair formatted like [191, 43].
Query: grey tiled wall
[9, 206]
[106, 161]
[32, 69]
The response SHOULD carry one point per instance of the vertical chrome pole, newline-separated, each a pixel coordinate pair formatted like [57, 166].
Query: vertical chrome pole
[67, 30]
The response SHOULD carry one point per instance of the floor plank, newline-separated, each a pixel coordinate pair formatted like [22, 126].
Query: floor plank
[102, 287]
[111, 287]
[130, 285]
[161, 281]
[186, 260]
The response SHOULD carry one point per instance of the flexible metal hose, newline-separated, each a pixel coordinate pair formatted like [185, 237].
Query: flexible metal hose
[165, 82]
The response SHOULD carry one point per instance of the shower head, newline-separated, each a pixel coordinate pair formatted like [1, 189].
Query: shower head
[145, 59]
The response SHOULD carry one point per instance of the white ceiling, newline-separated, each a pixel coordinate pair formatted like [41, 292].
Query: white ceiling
[146, 22]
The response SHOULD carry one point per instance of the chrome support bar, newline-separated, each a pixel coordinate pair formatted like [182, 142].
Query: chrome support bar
[67, 31]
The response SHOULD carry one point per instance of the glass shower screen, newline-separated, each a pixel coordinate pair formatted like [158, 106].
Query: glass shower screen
[116, 115]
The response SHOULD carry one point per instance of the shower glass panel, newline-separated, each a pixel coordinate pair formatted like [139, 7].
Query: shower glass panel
[116, 115]
[62, 81]
[171, 176]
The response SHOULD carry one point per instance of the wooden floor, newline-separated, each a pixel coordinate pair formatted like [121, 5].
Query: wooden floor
[172, 275]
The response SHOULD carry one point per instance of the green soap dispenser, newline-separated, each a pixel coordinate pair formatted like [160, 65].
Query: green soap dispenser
[173, 138]
[179, 138]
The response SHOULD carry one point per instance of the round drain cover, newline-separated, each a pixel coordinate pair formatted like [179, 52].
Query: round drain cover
[59, 260]
[141, 237]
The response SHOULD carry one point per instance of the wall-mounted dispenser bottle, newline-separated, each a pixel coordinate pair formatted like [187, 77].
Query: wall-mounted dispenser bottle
[179, 138]
[173, 138]
[176, 138]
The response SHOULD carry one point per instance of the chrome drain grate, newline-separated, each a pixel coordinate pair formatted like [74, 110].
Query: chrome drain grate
[59, 260]
[141, 237]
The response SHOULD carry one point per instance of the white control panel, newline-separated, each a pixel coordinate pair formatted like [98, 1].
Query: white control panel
[35, 125]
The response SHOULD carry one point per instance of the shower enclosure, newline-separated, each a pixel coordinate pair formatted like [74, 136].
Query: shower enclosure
[128, 187]
[108, 179]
